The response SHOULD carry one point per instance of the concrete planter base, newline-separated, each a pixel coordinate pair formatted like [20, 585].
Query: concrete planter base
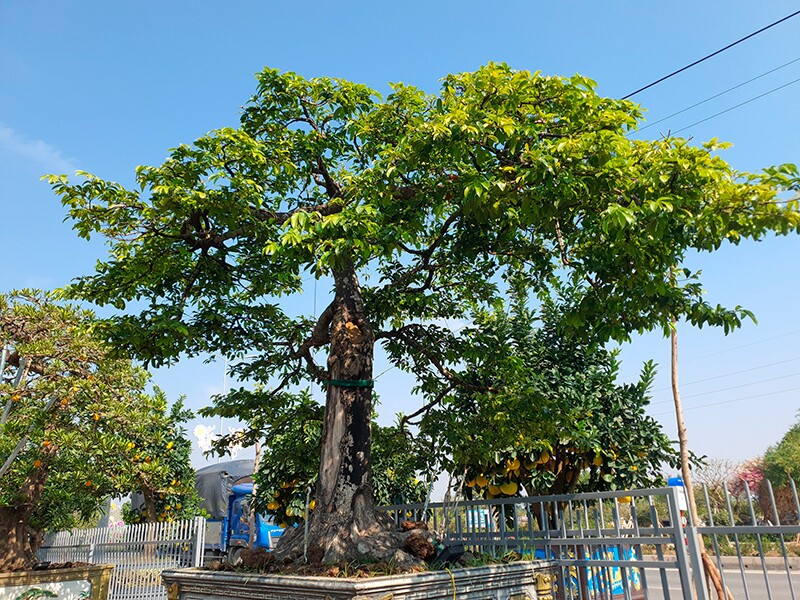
[516, 581]
[81, 583]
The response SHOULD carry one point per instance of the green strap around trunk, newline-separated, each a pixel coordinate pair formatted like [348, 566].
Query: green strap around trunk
[352, 383]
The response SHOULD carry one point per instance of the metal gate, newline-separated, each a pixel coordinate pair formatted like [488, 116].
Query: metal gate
[621, 545]
[138, 552]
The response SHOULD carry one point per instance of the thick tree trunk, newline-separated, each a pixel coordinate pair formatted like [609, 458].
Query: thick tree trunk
[16, 553]
[149, 505]
[344, 525]
[18, 549]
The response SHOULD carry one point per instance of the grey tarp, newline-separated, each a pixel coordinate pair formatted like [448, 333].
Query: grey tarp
[214, 484]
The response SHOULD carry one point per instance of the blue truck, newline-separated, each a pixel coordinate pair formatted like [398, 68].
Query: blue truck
[226, 490]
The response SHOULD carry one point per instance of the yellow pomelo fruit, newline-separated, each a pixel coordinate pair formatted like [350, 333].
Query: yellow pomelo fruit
[273, 505]
[481, 481]
[509, 488]
[494, 490]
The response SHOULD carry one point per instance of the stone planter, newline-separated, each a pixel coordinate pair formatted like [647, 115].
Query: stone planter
[79, 583]
[515, 581]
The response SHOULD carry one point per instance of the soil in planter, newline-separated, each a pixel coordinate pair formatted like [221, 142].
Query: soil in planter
[52, 566]
[260, 561]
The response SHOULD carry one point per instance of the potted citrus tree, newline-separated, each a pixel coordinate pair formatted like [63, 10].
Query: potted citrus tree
[71, 413]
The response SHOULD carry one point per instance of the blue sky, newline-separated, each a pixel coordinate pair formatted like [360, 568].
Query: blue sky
[104, 87]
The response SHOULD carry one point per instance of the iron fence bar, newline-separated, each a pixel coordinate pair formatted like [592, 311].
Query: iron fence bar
[796, 501]
[564, 557]
[638, 553]
[736, 541]
[750, 530]
[758, 541]
[588, 572]
[714, 538]
[772, 503]
[603, 580]
[529, 515]
[680, 546]
[780, 537]
[695, 554]
[502, 517]
[620, 548]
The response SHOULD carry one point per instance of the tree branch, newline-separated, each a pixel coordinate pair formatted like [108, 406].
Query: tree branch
[406, 419]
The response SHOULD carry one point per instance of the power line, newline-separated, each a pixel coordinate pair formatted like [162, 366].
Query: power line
[722, 112]
[794, 389]
[736, 87]
[705, 58]
[769, 339]
[774, 364]
[733, 387]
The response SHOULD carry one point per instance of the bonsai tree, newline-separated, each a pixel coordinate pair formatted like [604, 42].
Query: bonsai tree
[413, 208]
[71, 413]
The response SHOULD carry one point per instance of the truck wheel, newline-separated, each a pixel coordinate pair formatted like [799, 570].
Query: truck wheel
[235, 556]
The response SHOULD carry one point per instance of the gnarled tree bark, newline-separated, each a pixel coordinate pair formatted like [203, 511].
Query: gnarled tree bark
[345, 524]
[20, 542]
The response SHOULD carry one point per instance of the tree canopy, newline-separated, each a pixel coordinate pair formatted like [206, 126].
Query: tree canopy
[416, 208]
[552, 418]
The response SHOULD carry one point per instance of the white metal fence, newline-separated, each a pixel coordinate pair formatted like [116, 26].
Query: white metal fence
[139, 553]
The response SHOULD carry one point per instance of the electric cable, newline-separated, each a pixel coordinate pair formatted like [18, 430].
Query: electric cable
[769, 339]
[774, 364]
[730, 89]
[722, 112]
[733, 387]
[685, 408]
[713, 54]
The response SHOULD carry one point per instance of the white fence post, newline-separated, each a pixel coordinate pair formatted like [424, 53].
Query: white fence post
[199, 541]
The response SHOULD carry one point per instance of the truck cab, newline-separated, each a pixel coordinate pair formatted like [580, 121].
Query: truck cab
[236, 526]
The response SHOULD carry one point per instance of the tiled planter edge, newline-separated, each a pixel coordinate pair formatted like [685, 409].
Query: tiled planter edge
[98, 577]
[514, 581]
